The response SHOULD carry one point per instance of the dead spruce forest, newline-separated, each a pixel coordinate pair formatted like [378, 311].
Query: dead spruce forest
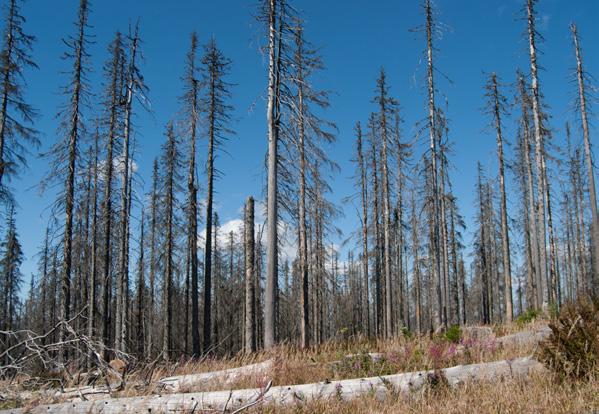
[162, 283]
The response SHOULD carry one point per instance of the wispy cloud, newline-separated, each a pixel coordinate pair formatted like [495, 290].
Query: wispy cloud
[544, 21]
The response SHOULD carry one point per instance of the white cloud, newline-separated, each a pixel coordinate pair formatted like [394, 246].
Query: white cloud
[544, 23]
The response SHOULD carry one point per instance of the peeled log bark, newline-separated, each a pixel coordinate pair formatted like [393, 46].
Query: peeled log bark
[293, 394]
[181, 383]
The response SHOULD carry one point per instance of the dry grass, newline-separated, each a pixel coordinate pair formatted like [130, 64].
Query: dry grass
[539, 394]
[329, 361]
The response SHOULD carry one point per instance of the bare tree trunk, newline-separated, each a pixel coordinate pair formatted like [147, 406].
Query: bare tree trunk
[580, 74]
[364, 198]
[580, 227]
[377, 232]
[382, 101]
[437, 306]
[505, 241]
[115, 98]
[168, 273]
[303, 244]
[444, 238]
[416, 266]
[44, 285]
[122, 283]
[153, 228]
[73, 136]
[538, 129]
[486, 317]
[191, 99]
[141, 287]
[454, 265]
[272, 254]
[532, 219]
[250, 275]
[91, 318]
[209, 216]
[554, 281]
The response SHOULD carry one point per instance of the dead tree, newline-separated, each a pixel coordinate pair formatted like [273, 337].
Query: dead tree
[386, 104]
[432, 127]
[415, 224]
[170, 161]
[134, 86]
[539, 155]
[275, 8]
[582, 76]
[15, 58]
[112, 104]
[65, 153]
[496, 107]
[190, 108]
[215, 68]
[141, 291]
[250, 276]
[154, 199]
[525, 104]
[365, 254]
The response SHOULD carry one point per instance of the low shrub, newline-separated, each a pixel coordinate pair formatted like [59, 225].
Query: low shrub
[527, 317]
[453, 334]
[572, 348]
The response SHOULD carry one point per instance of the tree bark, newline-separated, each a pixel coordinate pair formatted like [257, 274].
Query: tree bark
[365, 254]
[73, 138]
[250, 275]
[437, 305]
[538, 130]
[589, 161]
[505, 241]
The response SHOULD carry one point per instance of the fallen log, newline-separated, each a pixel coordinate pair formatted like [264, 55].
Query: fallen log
[380, 387]
[477, 333]
[174, 384]
[526, 337]
[182, 383]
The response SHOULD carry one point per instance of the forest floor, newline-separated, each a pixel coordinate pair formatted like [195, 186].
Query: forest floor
[362, 358]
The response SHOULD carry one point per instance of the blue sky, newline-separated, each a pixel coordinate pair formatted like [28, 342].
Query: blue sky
[355, 40]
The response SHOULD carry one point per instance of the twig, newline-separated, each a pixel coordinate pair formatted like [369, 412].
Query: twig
[257, 400]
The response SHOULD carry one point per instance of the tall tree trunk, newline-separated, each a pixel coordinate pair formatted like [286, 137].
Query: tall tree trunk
[505, 241]
[437, 305]
[122, 284]
[377, 234]
[538, 130]
[486, 317]
[192, 231]
[91, 318]
[444, 239]
[7, 58]
[416, 267]
[382, 101]
[168, 273]
[115, 98]
[580, 74]
[209, 216]
[303, 243]
[153, 228]
[272, 115]
[141, 288]
[364, 199]
[532, 219]
[250, 275]
[73, 137]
